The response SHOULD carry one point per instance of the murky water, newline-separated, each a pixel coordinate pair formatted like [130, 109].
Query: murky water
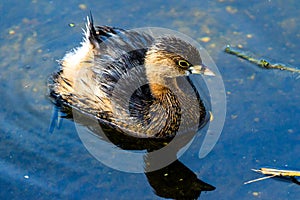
[261, 127]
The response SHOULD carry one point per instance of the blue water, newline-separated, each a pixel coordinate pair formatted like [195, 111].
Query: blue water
[262, 121]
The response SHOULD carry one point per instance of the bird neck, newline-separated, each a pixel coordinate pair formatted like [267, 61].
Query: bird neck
[159, 91]
[170, 105]
[159, 85]
[163, 90]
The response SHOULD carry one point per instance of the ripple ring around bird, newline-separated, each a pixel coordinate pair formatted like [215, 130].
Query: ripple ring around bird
[133, 161]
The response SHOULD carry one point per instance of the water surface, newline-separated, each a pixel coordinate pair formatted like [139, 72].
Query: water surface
[262, 123]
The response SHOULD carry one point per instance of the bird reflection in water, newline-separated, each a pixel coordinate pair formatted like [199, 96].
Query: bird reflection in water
[175, 181]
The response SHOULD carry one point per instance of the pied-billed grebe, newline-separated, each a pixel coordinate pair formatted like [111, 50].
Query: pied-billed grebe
[129, 79]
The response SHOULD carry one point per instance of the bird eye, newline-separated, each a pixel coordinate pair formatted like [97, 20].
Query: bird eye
[183, 63]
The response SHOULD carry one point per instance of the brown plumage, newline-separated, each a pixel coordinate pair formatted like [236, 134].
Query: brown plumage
[132, 81]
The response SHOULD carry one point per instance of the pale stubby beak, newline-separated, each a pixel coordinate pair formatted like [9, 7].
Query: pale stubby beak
[201, 69]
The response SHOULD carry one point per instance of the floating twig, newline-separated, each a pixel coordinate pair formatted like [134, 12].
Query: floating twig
[263, 63]
[270, 172]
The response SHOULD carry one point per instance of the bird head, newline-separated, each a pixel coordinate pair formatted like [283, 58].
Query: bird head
[170, 57]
